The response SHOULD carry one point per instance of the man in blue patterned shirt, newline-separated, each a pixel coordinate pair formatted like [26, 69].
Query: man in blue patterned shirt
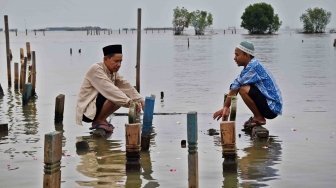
[257, 87]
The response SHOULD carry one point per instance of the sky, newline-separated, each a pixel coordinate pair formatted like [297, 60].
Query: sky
[115, 14]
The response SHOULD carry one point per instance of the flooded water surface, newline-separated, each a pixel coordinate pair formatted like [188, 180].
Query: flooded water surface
[300, 151]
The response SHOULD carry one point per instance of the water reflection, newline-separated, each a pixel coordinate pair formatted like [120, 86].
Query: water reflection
[146, 164]
[22, 123]
[105, 162]
[256, 167]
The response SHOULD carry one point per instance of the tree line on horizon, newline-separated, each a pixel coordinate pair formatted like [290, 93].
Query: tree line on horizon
[258, 18]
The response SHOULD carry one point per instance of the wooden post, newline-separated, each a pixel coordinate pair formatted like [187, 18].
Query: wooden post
[21, 53]
[193, 170]
[147, 122]
[138, 51]
[228, 132]
[192, 131]
[132, 146]
[188, 42]
[16, 75]
[52, 160]
[9, 76]
[33, 73]
[59, 108]
[1, 91]
[23, 72]
[3, 127]
[28, 50]
[26, 93]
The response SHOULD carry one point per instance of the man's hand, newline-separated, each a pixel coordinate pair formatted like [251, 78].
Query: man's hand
[222, 112]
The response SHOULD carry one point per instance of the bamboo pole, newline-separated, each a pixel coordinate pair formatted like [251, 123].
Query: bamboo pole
[8, 52]
[138, 51]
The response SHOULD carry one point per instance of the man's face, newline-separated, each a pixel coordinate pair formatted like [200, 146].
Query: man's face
[114, 63]
[241, 58]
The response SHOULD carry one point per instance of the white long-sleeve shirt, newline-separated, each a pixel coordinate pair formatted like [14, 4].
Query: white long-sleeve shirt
[112, 86]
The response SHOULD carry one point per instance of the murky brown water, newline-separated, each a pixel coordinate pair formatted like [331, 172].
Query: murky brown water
[301, 151]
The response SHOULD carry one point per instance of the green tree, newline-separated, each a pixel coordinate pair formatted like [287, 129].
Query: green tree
[181, 20]
[315, 20]
[259, 18]
[200, 20]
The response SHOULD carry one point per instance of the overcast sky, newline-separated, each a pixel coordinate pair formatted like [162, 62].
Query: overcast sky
[34, 14]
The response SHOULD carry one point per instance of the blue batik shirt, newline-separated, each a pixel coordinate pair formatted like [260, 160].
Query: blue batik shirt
[256, 74]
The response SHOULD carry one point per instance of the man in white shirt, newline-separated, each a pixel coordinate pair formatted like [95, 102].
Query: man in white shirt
[104, 91]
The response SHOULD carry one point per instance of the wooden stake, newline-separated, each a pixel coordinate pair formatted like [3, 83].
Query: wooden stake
[33, 72]
[28, 50]
[9, 76]
[21, 53]
[59, 108]
[138, 51]
[26, 93]
[52, 160]
[16, 75]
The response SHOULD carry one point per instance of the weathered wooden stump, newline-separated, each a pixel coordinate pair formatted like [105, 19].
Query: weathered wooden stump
[52, 160]
[59, 108]
[228, 131]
